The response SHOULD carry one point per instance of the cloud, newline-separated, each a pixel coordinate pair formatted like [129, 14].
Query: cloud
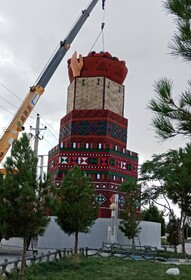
[136, 31]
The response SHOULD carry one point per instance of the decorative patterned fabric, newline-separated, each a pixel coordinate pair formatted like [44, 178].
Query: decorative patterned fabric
[100, 199]
[100, 128]
[92, 146]
[95, 140]
[93, 114]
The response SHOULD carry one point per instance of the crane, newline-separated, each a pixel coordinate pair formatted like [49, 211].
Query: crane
[17, 124]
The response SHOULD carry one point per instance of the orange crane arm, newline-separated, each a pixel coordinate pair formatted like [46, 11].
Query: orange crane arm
[16, 125]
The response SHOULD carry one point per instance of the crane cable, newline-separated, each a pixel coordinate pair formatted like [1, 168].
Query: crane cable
[54, 52]
[58, 46]
[43, 70]
[102, 28]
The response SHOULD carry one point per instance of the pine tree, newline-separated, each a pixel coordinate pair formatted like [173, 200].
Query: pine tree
[75, 205]
[173, 117]
[24, 199]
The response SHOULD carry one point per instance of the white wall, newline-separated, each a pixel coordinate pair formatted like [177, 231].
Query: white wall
[54, 237]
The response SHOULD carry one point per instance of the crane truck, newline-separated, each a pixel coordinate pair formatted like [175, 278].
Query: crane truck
[17, 124]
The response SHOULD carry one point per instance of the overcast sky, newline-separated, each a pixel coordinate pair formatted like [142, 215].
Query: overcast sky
[137, 31]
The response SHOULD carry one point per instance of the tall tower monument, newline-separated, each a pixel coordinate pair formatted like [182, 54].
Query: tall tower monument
[93, 133]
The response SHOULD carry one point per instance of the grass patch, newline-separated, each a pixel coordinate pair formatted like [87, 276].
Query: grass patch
[168, 254]
[164, 241]
[103, 269]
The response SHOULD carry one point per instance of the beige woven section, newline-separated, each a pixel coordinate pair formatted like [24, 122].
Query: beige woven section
[95, 93]
[114, 97]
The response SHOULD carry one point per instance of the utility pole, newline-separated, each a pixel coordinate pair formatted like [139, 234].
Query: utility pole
[34, 240]
[42, 164]
[37, 133]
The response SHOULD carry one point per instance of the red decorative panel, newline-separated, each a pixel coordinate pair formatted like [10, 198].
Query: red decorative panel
[93, 115]
[96, 140]
[108, 169]
[100, 126]
[98, 66]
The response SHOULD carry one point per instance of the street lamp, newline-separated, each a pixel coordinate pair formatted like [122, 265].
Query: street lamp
[113, 208]
[113, 227]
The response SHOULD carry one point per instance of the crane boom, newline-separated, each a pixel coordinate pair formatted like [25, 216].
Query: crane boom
[16, 125]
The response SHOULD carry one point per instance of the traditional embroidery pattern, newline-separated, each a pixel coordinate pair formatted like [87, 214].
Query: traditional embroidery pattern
[100, 199]
[96, 141]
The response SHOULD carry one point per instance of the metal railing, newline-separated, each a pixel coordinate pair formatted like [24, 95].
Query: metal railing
[8, 267]
[123, 251]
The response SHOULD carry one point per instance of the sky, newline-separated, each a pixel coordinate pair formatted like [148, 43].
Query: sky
[137, 31]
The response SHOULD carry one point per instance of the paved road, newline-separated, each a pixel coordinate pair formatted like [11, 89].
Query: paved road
[188, 248]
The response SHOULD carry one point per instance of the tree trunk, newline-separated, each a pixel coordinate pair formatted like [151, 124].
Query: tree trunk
[76, 248]
[133, 243]
[21, 272]
[175, 249]
[183, 245]
[183, 238]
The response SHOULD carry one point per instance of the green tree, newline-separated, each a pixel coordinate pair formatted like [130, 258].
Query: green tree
[168, 176]
[181, 45]
[173, 116]
[129, 224]
[24, 199]
[174, 234]
[153, 214]
[75, 205]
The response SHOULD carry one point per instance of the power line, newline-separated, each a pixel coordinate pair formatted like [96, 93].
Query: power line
[11, 114]
[8, 102]
[48, 142]
[29, 116]
[48, 124]
[49, 129]
[11, 105]
[10, 91]
[27, 121]
[6, 110]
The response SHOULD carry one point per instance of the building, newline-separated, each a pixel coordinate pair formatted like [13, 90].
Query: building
[93, 133]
